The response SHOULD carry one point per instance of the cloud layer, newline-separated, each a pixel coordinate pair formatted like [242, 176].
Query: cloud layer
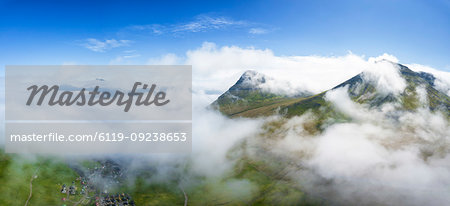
[217, 68]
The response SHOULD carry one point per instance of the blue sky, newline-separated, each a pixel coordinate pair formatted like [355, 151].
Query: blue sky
[88, 32]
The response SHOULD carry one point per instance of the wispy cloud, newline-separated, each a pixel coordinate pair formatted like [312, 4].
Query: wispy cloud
[206, 23]
[257, 31]
[102, 46]
[152, 28]
[201, 23]
[126, 57]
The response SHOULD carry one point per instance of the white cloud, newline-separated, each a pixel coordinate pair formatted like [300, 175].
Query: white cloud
[102, 46]
[384, 57]
[343, 103]
[385, 76]
[404, 159]
[442, 82]
[257, 31]
[168, 59]
[215, 135]
[217, 68]
[205, 23]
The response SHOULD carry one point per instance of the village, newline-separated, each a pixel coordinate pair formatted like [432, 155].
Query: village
[84, 191]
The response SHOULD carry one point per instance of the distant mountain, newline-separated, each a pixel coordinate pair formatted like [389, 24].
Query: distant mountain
[246, 99]
[363, 91]
[250, 92]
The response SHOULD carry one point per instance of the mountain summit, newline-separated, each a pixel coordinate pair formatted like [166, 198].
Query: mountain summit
[250, 80]
[251, 91]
